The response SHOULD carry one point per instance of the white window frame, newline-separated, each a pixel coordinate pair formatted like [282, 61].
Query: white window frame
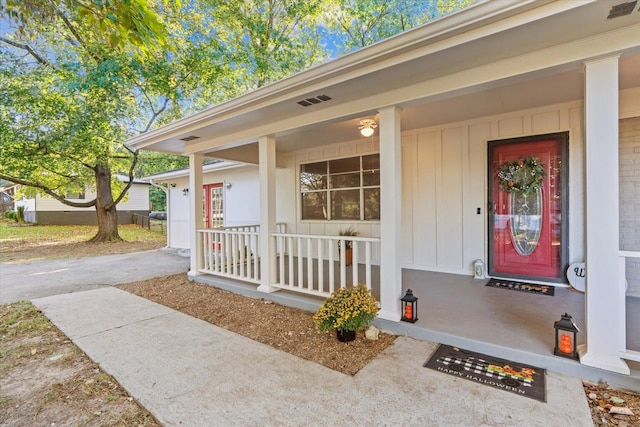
[328, 190]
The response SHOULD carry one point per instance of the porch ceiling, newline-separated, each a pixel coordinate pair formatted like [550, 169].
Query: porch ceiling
[464, 66]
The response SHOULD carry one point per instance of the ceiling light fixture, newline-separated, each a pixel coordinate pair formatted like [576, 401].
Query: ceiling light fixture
[367, 127]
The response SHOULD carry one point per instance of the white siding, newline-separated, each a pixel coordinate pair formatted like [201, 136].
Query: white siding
[445, 183]
[241, 201]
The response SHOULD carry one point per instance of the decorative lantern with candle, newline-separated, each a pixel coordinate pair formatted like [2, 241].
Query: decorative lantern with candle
[566, 332]
[409, 307]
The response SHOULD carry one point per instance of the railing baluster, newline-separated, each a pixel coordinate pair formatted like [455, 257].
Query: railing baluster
[292, 281]
[367, 248]
[235, 252]
[203, 247]
[254, 256]
[354, 263]
[320, 266]
[309, 266]
[343, 264]
[227, 257]
[217, 245]
[300, 270]
[208, 245]
[280, 260]
[243, 254]
[332, 281]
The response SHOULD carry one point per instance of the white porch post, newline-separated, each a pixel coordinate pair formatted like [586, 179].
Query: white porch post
[267, 173]
[195, 212]
[390, 213]
[605, 310]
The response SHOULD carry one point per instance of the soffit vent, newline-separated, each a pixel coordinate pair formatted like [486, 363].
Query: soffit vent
[622, 9]
[312, 101]
[189, 138]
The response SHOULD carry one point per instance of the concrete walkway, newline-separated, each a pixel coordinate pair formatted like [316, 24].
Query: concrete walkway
[38, 279]
[187, 372]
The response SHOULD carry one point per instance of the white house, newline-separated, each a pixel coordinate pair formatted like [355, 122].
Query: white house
[231, 195]
[46, 210]
[458, 109]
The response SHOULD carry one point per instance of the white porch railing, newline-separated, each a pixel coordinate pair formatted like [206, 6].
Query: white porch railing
[313, 264]
[623, 255]
[310, 264]
[232, 252]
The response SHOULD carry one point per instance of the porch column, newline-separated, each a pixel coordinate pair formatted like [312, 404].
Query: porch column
[390, 213]
[605, 303]
[267, 173]
[195, 212]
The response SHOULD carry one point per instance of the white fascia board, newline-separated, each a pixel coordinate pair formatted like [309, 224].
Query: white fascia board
[213, 167]
[466, 25]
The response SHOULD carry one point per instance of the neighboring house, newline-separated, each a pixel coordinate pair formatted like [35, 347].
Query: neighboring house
[230, 194]
[7, 193]
[462, 107]
[46, 210]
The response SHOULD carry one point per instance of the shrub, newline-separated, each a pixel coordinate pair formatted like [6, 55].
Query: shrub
[347, 309]
[11, 215]
[20, 214]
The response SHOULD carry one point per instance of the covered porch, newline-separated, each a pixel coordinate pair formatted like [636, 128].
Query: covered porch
[440, 95]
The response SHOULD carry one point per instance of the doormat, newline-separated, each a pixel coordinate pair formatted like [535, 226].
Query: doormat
[522, 287]
[523, 380]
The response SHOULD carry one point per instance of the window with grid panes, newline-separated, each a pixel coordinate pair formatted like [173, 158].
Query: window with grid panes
[345, 189]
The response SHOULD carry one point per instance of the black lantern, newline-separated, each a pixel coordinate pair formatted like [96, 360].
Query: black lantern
[409, 307]
[566, 332]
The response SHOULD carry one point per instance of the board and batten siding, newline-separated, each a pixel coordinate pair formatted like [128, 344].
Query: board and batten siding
[445, 185]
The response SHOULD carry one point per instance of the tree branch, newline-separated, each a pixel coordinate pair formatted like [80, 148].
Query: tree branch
[77, 36]
[155, 115]
[130, 183]
[48, 191]
[29, 49]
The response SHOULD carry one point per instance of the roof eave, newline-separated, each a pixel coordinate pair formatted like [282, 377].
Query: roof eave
[366, 60]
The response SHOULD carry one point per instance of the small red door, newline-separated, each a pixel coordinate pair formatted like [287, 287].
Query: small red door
[528, 234]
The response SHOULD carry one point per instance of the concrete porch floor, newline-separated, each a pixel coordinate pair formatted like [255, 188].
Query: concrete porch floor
[461, 311]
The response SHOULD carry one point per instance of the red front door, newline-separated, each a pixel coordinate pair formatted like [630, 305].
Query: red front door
[528, 234]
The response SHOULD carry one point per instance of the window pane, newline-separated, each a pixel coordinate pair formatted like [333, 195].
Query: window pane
[319, 168]
[371, 203]
[314, 205]
[313, 176]
[217, 208]
[371, 162]
[351, 164]
[345, 204]
[345, 180]
[370, 178]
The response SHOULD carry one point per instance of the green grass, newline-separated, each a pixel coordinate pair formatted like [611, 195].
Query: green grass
[70, 233]
[22, 317]
[37, 242]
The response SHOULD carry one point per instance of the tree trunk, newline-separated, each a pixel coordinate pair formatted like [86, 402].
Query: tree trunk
[105, 208]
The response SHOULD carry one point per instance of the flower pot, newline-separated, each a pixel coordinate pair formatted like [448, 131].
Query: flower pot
[348, 256]
[345, 336]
